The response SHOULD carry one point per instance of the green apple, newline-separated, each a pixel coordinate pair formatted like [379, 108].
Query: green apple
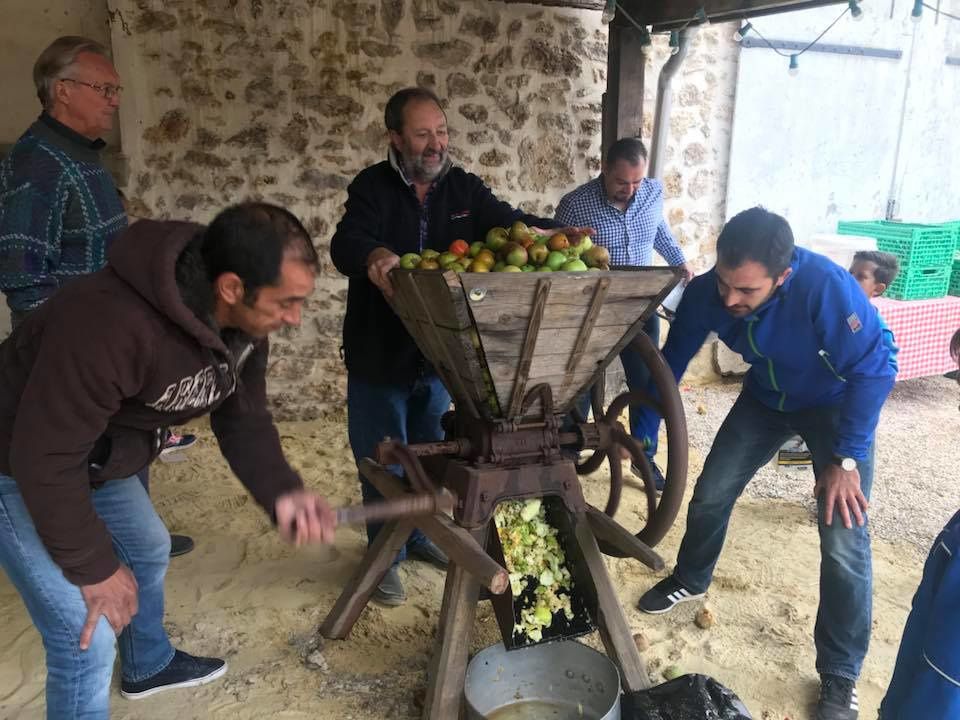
[556, 259]
[408, 261]
[574, 266]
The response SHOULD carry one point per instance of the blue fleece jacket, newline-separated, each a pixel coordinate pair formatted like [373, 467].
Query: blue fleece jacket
[817, 342]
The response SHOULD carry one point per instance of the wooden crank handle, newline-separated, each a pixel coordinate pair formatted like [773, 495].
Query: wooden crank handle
[412, 505]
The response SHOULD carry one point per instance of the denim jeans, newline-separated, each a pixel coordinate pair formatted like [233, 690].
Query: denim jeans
[78, 681]
[409, 413]
[748, 439]
[638, 378]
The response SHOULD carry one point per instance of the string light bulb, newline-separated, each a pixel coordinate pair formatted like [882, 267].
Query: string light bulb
[609, 12]
[674, 42]
[740, 34]
[917, 10]
[794, 68]
[856, 13]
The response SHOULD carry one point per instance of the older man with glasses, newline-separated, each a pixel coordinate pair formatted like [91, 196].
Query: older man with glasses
[59, 208]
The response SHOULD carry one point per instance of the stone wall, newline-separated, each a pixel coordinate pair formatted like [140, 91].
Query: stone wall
[284, 101]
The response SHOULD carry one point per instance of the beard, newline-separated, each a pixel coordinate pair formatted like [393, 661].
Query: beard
[418, 169]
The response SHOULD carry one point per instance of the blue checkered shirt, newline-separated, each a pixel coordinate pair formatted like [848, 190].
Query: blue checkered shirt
[630, 236]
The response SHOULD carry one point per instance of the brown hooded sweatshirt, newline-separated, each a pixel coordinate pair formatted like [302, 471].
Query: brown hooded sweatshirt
[89, 380]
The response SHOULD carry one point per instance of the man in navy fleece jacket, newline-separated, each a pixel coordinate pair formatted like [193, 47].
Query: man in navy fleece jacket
[819, 369]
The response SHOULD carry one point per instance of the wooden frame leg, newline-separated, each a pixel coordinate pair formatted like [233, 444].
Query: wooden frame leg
[448, 665]
[355, 596]
[611, 620]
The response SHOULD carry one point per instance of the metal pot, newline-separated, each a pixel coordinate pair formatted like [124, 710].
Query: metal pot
[554, 681]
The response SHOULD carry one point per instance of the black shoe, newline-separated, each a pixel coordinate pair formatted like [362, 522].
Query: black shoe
[664, 595]
[390, 590]
[180, 545]
[181, 672]
[658, 480]
[175, 443]
[838, 698]
[428, 552]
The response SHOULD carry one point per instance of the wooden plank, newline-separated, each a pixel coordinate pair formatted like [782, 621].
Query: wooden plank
[355, 596]
[611, 620]
[583, 336]
[448, 665]
[452, 380]
[528, 347]
[609, 531]
[454, 540]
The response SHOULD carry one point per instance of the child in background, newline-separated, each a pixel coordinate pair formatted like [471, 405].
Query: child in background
[875, 272]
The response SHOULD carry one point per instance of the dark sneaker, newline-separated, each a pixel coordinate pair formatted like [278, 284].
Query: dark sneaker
[180, 545]
[838, 699]
[664, 595]
[175, 443]
[658, 478]
[428, 552]
[182, 672]
[390, 590]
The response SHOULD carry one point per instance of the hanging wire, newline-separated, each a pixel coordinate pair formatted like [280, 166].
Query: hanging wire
[809, 45]
[941, 12]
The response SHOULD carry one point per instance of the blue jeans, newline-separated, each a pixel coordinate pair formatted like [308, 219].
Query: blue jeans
[409, 413]
[638, 378]
[747, 440]
[78, 681]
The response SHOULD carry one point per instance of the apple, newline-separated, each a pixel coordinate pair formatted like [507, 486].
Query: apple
[429, 254]
[408, 261]
[538, 254]
[574, 266]
[555, 260]
[475, 248]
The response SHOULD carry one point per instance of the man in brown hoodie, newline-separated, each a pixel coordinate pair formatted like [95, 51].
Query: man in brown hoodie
[174, 327]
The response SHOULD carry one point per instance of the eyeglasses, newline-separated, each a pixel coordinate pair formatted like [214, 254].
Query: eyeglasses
[107, 91]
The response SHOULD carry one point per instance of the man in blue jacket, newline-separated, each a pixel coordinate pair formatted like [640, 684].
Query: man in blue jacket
[820, 369]
[416, 199]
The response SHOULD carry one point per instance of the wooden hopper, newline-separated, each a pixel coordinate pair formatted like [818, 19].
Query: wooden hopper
[493, 336]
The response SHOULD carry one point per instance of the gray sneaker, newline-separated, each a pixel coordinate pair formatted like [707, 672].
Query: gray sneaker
[390, 591]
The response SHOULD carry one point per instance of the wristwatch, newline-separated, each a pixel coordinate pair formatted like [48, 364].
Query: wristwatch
[847, 463]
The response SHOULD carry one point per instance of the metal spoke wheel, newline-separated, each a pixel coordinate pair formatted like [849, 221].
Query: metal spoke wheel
[614, 439]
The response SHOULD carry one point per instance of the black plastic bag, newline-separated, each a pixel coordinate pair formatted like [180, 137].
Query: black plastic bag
[688, 697]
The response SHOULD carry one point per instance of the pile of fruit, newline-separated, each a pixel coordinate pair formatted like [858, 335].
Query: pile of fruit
[514, 249]
[534, 558]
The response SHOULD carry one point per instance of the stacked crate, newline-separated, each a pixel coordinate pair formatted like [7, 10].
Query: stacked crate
[954, 288]
[926, 254]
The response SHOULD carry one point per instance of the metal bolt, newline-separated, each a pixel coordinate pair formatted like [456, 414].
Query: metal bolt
[478, 294]
[484, 497]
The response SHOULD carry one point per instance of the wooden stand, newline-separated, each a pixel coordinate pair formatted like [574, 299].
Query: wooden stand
[471, 566]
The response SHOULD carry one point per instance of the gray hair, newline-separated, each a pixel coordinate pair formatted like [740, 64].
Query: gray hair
[59, 56]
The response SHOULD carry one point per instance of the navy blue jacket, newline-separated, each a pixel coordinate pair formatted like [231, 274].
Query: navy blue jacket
[817, 342]
[383, 211]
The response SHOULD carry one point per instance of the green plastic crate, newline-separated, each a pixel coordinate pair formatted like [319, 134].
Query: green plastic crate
[920, 284]
[954, 288]
[917, 246]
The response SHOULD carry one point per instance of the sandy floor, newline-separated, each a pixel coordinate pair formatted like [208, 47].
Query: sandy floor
[243, 595]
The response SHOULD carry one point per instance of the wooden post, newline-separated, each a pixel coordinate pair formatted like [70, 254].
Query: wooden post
[448, 666]
[356, 594]
[623, 100]
[611, 620]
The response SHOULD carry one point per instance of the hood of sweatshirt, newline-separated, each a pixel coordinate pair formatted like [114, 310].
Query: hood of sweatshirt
[163, 242]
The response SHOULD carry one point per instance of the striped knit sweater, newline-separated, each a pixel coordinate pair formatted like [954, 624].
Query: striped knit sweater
[59, 211]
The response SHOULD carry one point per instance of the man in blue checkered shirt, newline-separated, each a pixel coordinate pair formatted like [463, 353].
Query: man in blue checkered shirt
[626, 209]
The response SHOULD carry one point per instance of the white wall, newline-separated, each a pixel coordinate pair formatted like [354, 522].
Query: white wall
[821, 146]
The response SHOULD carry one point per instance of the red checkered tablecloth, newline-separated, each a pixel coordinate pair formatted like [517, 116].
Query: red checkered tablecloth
[922, 330]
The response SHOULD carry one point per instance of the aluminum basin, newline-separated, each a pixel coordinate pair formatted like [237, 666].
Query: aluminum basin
[554, 681]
